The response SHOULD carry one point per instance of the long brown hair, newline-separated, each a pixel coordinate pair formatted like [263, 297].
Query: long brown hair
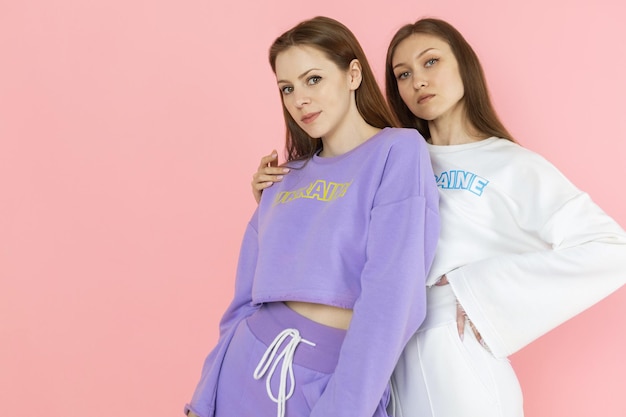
[339, 45]
[479, 110]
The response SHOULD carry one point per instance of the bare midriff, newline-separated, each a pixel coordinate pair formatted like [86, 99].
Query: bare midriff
[331, 316]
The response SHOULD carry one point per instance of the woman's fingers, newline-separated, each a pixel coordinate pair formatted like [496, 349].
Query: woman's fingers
[460, 319]
[267, 174]
[269, 160]
[475, 331]
[442, 281]
[478, 336]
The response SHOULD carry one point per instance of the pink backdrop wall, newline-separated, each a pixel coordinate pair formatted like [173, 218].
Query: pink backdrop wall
[129, 131]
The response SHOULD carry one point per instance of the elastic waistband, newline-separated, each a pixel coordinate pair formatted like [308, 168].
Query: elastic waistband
[272, 318]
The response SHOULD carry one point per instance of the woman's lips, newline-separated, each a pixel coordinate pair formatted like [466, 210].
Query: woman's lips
[423, 99]
[309, 117]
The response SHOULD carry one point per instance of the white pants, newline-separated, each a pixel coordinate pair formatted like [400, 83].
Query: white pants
[438, 375]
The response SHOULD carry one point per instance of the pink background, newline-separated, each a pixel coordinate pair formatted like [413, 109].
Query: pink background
[129, 131]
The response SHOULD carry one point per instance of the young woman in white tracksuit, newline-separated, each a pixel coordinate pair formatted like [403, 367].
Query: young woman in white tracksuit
[521, 249]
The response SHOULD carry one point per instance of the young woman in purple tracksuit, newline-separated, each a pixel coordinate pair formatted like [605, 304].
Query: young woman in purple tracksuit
[330, 284]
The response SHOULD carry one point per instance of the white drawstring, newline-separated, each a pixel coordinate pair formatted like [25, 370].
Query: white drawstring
[287, 357]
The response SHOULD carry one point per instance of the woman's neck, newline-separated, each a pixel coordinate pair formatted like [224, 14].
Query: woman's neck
[452, 130]
[347, 138]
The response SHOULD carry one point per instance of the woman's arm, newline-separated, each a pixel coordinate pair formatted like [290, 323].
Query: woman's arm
[402, 235]
[515, 298]
[202, 403]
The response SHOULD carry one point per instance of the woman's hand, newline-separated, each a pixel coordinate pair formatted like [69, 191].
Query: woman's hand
[191, 414]
[267, 174]
[461, 318]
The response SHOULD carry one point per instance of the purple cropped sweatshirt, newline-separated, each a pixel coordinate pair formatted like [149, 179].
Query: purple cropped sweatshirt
[356, 231]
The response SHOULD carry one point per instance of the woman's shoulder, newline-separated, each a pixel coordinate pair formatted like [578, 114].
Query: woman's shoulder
[403, 150]
[520, 157]
[402, 139]
[403, 133]
[530, 172]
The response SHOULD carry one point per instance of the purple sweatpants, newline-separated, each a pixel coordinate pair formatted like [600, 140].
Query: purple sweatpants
[240, 394]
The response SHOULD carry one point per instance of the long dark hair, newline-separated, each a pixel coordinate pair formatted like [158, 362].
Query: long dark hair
[340, 45]
[479, 110]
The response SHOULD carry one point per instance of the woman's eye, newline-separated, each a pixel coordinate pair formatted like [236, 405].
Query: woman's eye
[431, 62]
[403, 75]
[314, 80]
[287, 89]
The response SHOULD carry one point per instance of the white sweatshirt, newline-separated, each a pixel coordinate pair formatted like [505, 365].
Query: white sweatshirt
[523, 249]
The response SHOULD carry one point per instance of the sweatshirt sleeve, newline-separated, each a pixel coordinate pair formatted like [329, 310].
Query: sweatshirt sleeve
[203, 400]
[403, 232]
[513, 299]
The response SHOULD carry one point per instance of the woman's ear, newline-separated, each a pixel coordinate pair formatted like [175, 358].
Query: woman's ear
[355, 73]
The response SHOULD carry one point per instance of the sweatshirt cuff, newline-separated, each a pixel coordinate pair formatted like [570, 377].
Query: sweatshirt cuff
[189, 408]
[472, 306]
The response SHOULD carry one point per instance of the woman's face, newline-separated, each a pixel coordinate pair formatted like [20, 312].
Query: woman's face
[315, 92]
[428, 77]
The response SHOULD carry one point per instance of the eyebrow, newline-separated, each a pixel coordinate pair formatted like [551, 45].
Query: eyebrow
[418, 56]
[301, 76]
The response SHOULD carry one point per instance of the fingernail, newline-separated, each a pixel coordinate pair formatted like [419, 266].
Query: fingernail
[279, 177]
[286, 170]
